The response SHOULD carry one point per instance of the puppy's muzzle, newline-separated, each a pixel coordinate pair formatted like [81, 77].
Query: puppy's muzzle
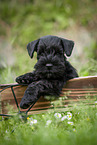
[49, 65]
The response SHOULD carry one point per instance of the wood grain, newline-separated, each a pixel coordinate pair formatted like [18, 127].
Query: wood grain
[75, 90]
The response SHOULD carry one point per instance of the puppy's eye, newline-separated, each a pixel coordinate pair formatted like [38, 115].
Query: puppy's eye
[58, 52]
[40, 50]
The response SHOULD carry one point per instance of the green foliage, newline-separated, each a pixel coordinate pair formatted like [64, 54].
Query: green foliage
[89, 69]
[31, 19]
[91, 52]
[7, 75]
[78, 126]
[24, 63]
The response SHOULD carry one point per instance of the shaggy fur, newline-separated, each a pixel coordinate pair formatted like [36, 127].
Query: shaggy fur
[52, 70]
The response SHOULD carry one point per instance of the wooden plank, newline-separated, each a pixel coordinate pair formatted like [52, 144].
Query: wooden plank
[82, 82]
[75, 90]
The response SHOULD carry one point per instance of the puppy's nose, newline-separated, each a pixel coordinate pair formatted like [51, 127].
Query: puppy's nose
[49, 65]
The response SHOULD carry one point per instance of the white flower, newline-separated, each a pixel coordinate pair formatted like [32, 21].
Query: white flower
[42, 115]
[34, 121]
[95, 102]
[74, 130]
[6, 131]
[71, 123]
[69, 115]
[48, 122]
[63, 118]
[57, 115]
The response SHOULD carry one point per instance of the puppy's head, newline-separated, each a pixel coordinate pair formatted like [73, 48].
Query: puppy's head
[50, 54]
[49, 41]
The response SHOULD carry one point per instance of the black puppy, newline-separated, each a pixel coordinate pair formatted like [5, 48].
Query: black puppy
[51, 71]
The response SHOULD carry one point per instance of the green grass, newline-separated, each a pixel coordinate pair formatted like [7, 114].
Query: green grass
[38, 130]
[23, 64]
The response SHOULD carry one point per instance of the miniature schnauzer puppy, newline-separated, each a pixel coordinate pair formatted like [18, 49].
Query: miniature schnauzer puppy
[52, 69]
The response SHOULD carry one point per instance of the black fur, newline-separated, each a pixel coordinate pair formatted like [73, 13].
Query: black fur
[52, 70]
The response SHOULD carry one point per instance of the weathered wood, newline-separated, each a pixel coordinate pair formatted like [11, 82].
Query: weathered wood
[75, 90]
[82, 82]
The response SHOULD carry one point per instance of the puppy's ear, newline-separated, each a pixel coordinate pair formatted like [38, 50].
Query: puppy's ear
[67, 46]
[31, 47]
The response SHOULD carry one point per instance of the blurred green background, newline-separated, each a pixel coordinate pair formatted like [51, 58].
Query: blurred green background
[22, 21]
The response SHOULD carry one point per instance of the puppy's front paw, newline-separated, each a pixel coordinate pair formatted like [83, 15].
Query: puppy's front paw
[27, 100]
[21, 80]
[25, 104]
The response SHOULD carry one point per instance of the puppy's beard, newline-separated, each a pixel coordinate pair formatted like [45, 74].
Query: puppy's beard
[49, 75]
